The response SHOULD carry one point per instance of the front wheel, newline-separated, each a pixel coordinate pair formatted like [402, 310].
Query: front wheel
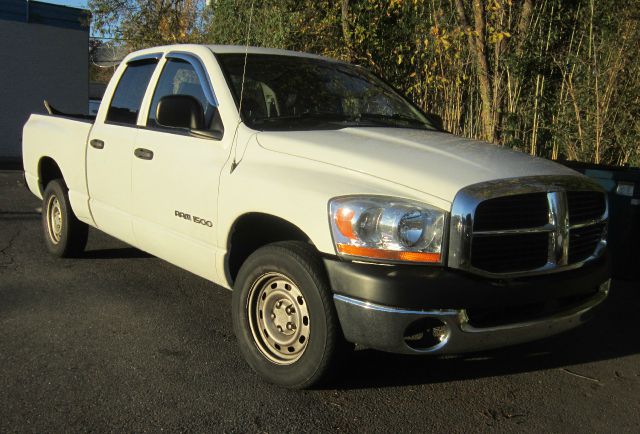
[64, 234]
[284, 317]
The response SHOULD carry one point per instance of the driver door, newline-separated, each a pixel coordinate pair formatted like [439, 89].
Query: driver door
[175, 175]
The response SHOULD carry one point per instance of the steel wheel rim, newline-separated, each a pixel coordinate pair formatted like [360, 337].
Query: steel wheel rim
[54, 219]
[278, 318]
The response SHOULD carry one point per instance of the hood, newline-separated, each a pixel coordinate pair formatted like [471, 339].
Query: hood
[432, 162]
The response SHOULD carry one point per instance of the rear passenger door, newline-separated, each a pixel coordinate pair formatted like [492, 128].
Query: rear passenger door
[175, 177]
[110, 150]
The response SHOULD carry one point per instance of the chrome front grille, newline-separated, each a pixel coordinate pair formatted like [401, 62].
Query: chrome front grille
[584, 241]
[527, 225]
[513, 252]
[511, 212]
[585, 206]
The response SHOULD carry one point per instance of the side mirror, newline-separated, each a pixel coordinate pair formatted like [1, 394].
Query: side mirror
[180, 111]
[436, 121]
[185, 111]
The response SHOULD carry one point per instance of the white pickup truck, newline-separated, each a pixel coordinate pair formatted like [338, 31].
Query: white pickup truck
[335, 209]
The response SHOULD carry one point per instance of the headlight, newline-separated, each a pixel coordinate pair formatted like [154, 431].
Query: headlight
[387, 228]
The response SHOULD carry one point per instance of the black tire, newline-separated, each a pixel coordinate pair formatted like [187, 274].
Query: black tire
[325, 345]
[69, 238]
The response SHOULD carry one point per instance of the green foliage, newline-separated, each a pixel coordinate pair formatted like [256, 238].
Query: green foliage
[560, 78]
[144, 23]
[270, 23]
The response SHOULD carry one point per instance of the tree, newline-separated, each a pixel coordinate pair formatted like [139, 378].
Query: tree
[271, 23]
[477, 44]
[143, 23]
[554, 78]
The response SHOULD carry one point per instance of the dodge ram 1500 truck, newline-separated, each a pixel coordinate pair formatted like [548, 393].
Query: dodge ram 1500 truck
[337, 211]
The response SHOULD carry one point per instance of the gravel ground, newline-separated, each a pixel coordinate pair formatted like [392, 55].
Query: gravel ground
[121, 341]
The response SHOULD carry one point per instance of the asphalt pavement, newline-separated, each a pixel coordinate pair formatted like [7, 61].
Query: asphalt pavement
[121, 341]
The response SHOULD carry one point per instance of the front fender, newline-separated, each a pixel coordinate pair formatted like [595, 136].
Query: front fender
[297, 190]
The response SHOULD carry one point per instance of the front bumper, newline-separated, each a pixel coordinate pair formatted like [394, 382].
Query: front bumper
[469, 315]
[384, 328]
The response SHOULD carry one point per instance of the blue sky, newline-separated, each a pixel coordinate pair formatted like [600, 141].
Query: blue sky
[73, 3]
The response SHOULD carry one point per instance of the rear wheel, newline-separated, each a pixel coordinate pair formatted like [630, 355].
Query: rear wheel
[64, 234]
[284, 317]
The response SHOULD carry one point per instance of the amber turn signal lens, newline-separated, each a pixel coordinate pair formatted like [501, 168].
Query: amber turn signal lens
[343, 222]
[391, 255]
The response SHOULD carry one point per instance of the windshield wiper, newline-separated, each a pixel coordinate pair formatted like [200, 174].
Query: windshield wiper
[328, 118]
[392, 118]
[325, 116]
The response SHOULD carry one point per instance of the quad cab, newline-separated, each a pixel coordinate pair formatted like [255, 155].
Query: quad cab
[336, 211]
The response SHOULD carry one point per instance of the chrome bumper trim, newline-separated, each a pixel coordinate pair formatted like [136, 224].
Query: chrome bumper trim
[383, 327]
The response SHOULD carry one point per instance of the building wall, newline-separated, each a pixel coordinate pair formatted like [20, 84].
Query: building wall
[38, 62]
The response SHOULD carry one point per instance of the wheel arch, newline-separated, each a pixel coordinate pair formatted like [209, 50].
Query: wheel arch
[253, 230]
[48, 170]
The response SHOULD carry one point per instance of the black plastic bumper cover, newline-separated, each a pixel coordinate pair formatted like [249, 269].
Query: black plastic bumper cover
[377, 305]
[425, 287]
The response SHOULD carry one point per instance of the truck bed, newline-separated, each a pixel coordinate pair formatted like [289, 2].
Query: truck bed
[55, 112]
[59, 139]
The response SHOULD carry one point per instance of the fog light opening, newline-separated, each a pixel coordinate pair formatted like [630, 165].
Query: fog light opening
[605, 286]
[426, 333]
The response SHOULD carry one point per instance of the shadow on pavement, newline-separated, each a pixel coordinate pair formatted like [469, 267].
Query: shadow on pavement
[19, 215]
[611, 334]
[119, 253]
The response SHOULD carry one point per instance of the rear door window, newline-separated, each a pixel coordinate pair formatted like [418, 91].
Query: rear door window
[127, 98]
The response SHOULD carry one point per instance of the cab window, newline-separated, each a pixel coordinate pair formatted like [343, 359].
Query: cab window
[179, 77]
[127, 98]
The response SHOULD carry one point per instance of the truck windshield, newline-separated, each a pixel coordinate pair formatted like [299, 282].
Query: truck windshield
[299, 93]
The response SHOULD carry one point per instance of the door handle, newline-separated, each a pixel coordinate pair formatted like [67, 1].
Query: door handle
[96, 143]
[143, 154]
